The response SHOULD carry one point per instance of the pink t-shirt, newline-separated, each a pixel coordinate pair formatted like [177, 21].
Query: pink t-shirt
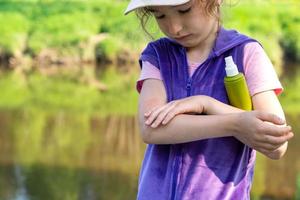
[259, 71]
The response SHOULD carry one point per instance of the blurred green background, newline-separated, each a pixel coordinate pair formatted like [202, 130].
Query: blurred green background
[68, 104]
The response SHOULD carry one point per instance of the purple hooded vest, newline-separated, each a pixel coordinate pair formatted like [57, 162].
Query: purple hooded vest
[211, 169]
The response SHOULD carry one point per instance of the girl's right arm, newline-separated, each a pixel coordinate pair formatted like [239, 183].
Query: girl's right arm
[186, 128]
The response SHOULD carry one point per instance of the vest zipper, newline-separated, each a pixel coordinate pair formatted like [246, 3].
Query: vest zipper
[188, 87]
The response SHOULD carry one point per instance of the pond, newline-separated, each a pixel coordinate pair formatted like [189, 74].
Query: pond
[72, 156]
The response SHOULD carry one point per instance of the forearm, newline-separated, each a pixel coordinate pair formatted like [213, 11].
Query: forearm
[186, 128]
[215, 107]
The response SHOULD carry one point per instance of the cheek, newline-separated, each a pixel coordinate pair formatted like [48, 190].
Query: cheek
[163, 26]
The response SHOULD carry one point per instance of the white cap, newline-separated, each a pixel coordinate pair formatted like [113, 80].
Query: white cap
[134, 4]
[231, 68]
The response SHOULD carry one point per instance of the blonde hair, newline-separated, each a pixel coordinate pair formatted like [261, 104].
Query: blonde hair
[212, 8]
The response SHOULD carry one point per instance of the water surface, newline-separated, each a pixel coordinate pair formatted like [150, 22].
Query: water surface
[72, 156]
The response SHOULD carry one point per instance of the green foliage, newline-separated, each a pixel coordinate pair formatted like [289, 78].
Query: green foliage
[256, 22]
[62, 31]
[125, 28]
[290, 25]
[13, 32]
[64, 25]
[109, 48]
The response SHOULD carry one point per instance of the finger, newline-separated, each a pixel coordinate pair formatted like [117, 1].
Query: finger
[269, 117]
[274, 130]
[179, 109]
[154, 114]
[159, 119]
[275, 141]
[147, 114]
[170, 116]
[269, 147]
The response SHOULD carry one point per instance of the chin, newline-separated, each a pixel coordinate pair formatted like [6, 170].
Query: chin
[187, 44]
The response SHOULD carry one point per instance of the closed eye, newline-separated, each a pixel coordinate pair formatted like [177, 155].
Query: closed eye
[160, 17]
[156, 14]
[185, 11]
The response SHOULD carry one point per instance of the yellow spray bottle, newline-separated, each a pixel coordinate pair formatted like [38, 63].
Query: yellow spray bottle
[236, 86]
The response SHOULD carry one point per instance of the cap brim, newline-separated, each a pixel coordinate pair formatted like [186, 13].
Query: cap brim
[135, 4]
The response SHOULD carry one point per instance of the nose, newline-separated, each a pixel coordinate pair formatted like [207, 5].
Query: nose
[174, 26]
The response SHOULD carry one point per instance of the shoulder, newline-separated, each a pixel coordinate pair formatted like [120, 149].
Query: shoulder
[157, 50]
[253, 46]
[255, 51]
[259, 70]
[231, 41]
[151, 53]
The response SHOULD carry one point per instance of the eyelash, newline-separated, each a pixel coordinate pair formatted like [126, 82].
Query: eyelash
[185, 11]
[160, 17]
[180, 11]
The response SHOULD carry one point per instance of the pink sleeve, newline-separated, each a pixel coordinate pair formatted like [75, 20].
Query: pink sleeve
[259, 70]
[148, 71]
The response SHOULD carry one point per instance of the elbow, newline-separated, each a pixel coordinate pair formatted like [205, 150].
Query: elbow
[277, 154]
[147, 134]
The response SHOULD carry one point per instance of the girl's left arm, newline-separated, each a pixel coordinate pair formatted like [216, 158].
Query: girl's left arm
[267, 101]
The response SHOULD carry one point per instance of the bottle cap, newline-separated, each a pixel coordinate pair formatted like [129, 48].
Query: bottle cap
[231, 68]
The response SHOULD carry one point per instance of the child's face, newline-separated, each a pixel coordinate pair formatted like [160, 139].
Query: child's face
[188, 23]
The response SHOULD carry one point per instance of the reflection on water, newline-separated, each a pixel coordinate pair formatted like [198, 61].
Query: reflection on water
[68, 156]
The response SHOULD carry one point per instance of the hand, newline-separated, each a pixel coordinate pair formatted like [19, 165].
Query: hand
[165, 113]
[262, 131]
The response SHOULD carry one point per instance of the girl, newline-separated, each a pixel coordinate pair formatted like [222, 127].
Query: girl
[199, 147]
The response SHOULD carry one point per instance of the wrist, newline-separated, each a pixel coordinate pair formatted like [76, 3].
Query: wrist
[234, 124]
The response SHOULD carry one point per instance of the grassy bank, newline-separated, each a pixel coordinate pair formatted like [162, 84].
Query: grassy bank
[275, 24]
[66, 29]
[69, 29]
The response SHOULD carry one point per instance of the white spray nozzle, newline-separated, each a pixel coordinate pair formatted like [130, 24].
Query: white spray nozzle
[231, 68]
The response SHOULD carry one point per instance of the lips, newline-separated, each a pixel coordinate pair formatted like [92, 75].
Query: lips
[182, 37]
